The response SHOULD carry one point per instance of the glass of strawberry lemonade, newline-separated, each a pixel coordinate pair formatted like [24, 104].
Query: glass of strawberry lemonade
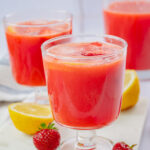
[85, 75]
[25, 32]
[130, 20]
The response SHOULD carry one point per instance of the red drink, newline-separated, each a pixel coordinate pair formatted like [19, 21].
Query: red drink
[130, 20]
[24, 43]
[85, 82]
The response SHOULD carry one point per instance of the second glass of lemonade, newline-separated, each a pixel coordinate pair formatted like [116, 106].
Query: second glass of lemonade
[130, 20]
[25, 32]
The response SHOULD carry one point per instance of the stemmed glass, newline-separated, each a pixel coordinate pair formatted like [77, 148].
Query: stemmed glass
[84, 75]
[25, 32]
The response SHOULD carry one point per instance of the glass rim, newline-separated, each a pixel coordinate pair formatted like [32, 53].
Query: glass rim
[124, 48]
[9, 15]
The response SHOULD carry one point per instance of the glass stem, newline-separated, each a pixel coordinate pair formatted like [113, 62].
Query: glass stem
[41, 96]
[85, 140]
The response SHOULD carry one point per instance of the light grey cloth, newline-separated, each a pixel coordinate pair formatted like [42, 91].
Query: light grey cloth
[10, 91]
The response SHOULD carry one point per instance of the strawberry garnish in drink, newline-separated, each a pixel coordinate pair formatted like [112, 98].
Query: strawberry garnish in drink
[48, 138]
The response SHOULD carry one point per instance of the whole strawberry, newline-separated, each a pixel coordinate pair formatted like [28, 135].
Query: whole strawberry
[48, 138]
[122, 146]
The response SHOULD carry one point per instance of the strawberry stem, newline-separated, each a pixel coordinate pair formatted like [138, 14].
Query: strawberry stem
[50, 126]
[43, 125]
[133, 146]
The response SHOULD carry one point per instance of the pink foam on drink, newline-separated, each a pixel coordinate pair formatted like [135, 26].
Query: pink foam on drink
[101, 51]
[141, 7]
[40, 28]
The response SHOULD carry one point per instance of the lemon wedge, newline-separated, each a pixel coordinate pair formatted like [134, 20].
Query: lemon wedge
[131, 89]
[27, 117]
[11, 29]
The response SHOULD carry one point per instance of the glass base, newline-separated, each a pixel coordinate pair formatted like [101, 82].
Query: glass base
[143, 74]
[39, 96]
[100, 142]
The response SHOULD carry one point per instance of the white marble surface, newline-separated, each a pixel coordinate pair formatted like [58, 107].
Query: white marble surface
[128, 127]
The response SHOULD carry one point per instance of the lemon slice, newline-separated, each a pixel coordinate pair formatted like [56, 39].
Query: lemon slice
[27, 117]
[11, 29]
[131, 89]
